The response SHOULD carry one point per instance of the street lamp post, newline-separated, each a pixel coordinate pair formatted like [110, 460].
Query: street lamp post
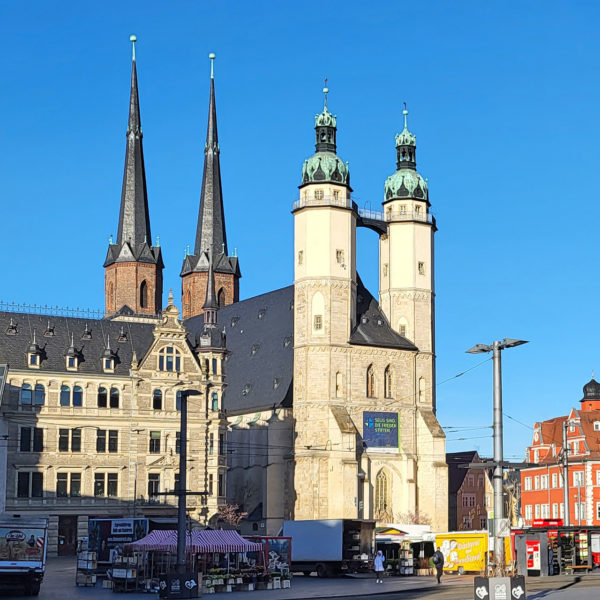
[496, 349]
[182, 488]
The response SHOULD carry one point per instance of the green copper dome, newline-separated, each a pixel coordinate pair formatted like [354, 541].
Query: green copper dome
[325, 166]
[405, 183]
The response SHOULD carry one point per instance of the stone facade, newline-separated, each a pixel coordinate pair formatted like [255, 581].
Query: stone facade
[123, 287]
[193, 291]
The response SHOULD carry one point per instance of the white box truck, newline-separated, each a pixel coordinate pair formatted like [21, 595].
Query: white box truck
[331, 546]
[23, 547]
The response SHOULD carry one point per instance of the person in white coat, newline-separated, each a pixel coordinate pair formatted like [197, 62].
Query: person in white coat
[379, 568]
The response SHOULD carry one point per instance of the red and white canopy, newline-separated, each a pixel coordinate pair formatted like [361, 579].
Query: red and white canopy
[196, 542]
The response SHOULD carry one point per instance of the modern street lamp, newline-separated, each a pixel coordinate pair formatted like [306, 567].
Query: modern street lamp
[496, 349]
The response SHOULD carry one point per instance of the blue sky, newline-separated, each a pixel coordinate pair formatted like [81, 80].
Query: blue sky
[503, 98]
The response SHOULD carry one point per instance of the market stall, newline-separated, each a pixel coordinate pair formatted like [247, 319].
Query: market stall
[220, 556]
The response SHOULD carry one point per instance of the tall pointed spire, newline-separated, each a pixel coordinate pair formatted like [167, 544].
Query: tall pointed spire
[210, 303]
[210, 233]
[134, 221]
[142, 291]
[210, 245]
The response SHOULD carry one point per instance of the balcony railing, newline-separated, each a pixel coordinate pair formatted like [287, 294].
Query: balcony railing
[325, 200]
[425, 217]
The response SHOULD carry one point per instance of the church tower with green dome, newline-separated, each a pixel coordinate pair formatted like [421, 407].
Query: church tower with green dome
[406, 260]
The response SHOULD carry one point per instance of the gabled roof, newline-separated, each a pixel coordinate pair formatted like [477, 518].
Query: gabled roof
[373, 328]
[456, 475]
[125, 338]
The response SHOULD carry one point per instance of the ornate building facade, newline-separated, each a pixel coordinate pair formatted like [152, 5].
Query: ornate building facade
[319, 402]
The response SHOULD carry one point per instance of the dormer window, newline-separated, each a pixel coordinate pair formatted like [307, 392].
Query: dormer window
[33, 360]
[169, 359]
[108, 365]
[214, 401]
[72, 362]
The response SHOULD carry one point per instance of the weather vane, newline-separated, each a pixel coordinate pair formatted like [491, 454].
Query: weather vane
[212, 57]
[133, 40]
[325, 91]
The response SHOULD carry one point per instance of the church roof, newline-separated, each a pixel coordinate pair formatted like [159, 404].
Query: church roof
[456, 474]
[90, 340]
[260, 351]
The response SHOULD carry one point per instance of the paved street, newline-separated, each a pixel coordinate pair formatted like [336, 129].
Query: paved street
[60, 583]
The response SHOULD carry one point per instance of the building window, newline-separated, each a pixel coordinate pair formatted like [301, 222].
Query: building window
[480, 481]
[34, 360]
[381, 492]
[339, 256]
[113, 440]
[339, 385]
[77, 396]
[65, 395]
[528, 512]
[221, 484]
[471, 480]
[421, 267]
[403, 209]
[402, 330]
[144, 295]
[63, 440]
[101, 440]
[112, 484]
[221, 445]
[71, 362]
[598, 477]
[211, 444]
[387, 382]
[102, 397]
[319, 195]
[169, 359]
[598, 511]
[63, 490]
[578, 479]
[467, 523]
[554, 480]
[370, 382]
[544, 482]
[318, 322]
[537, 511]
[482, 522]
[300, 256]
[221, 298]
[32, 439]
[154, 447]
[469, 500]
[214, 401]
[26, 395]
[39, 396]
[99, 484]
[178, 401]
[562, 510]
[153, 485]
[108, 365]
[536, 482]
[545, 511]
[75, 440]
[114, 398]
[596, 425]
[527, 484]
[210, 484]
[157, 400]
[555, 510]
[75, 489]
[336, 194]
[385, 269]
[30, 485]
[580, 511]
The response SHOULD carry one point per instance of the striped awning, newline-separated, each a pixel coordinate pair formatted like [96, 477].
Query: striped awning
[196, 542]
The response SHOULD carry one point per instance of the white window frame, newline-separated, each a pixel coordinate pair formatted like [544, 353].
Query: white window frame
[537, 511]
[528, 512]
[528, 483]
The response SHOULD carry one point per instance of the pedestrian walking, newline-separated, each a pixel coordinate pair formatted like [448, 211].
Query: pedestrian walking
[378, 564]
[438, 563]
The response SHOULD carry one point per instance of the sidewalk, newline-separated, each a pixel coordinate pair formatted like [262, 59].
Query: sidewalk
[60, 582]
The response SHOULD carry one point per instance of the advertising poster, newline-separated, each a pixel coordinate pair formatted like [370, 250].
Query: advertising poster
[108, 536]
[464, 552]
[21, 544]
[381, 431]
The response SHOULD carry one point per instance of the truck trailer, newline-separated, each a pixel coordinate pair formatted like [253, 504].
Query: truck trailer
[23, 547]
[331, 546]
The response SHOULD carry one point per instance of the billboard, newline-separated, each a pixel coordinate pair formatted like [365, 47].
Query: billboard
[22, 543]
[381, 431]
[108, 536]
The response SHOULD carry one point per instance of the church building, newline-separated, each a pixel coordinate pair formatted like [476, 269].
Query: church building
[316, 400]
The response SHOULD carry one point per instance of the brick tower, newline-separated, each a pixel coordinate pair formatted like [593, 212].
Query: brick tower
[133, 267]
[211, 238]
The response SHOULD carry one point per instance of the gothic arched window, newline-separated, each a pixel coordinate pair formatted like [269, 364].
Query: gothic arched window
[102, 397]
[114, 398]
[370, 382]
[221, 297]
[144, 294]
[39, 395]
[387, 382]
[65, 395]
[339, 385]
[382, 493]
[77, 396]
[26, 395]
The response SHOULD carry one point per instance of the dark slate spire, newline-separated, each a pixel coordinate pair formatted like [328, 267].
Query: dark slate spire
[134, 240]
[210, 304]
[210, 233]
